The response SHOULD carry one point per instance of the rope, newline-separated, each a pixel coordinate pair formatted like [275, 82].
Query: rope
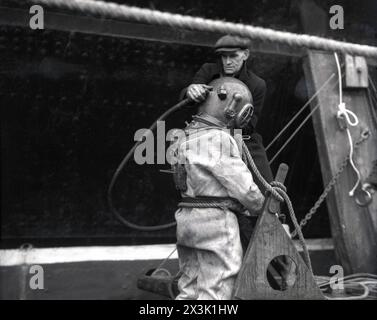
[125, 12]
[202, 204]
[353, 277]
[363, 296]
[162, 270]
[278, 191]
[159, 268]
[347, 114]
[207, 202]
[357, 279]
[171, 282]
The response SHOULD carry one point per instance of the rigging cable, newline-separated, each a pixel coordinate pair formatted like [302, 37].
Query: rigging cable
[314, 109]
[299, 112]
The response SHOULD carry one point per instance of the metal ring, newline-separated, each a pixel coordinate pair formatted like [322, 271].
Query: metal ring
[246, 137]
[367, 201]
[365, 134]
[161, 270]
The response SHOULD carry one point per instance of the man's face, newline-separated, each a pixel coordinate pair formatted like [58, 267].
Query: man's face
[233, 61]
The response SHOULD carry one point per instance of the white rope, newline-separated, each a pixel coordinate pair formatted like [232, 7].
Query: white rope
[350, 281]
[117, 11]
[347, 114]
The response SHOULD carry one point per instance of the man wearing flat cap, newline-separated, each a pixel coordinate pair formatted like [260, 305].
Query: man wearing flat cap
[233, 54]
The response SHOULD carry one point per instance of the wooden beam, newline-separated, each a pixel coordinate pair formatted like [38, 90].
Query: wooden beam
[354, 228]
[115, 28]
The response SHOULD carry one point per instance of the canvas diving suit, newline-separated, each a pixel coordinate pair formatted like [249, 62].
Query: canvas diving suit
[208, 239]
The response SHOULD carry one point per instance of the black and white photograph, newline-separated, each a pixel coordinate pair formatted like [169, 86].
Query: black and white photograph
[159, 150]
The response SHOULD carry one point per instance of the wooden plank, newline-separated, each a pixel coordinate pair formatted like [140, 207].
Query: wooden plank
[354, 228]
[121, 29]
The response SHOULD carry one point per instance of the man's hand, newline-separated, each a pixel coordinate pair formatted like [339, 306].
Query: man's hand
[198, 92]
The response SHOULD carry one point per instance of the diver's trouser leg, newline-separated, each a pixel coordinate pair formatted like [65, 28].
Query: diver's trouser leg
[188, 266]
[214, 236]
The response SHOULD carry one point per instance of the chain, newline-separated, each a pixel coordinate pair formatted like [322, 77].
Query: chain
[334, 179]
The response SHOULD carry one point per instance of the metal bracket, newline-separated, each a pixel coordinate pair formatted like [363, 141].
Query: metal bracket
[363, 198]
[342, 123]
[356, 72]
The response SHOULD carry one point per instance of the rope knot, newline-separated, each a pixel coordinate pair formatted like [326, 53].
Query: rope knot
[278, 190]
[278, 185]
[347, 114]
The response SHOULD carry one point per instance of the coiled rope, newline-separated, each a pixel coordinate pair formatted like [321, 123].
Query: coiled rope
[366, 280]
[125, 12]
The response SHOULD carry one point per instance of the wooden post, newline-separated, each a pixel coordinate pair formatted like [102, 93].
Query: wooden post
[354, 228]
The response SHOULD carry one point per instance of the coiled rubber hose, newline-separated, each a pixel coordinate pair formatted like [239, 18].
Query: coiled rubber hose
[130, 153]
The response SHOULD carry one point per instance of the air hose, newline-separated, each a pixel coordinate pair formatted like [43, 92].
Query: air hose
[125, 160]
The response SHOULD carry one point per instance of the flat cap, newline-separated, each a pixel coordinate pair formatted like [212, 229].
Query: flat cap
[230, 43]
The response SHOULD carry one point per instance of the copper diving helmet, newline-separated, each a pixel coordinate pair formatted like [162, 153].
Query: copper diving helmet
[230, 101]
